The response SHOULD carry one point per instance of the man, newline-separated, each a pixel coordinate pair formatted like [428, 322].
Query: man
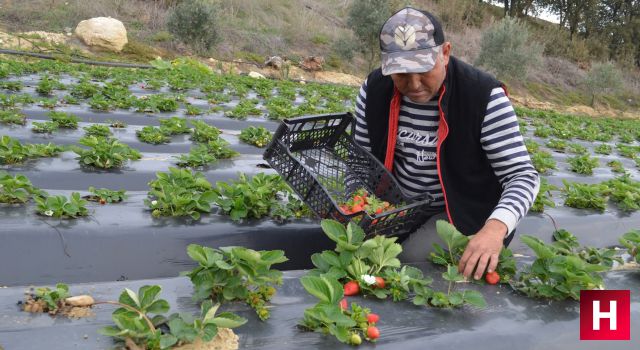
[444, 127]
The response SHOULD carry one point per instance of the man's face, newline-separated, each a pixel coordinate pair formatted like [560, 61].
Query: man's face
[422, 87]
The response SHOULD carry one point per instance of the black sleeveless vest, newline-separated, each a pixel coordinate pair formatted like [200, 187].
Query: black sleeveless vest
[470, 187]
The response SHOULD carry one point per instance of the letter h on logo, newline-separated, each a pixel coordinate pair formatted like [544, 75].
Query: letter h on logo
[597, 323]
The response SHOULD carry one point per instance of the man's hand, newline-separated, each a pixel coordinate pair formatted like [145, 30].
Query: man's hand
[483, 249]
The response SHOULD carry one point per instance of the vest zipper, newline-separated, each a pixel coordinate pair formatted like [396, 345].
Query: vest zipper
[443, 131]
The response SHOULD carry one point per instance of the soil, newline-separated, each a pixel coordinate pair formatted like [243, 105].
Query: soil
[295, 73]
[599, 111]
[34, 305]
[225, 340]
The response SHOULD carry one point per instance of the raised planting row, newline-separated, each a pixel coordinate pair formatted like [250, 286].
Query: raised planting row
[182, 84]
[359, 293]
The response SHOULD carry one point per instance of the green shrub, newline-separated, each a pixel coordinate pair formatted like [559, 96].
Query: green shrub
[603, 78]
[507, 50]
[194, 22]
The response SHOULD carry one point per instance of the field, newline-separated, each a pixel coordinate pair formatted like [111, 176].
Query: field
[108, 175]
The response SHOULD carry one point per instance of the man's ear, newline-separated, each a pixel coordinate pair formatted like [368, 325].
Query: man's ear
[446, 52]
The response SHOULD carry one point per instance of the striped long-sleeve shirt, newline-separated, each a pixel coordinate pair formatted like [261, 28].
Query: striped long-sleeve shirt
[415, 155]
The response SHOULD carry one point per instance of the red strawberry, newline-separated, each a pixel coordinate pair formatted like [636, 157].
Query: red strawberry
[373, 318]
[102, 201]
[492, 277]
[351, 288]
[380, 282]
[343, 304]
[357, 208]
[373, 332]
[379, 211]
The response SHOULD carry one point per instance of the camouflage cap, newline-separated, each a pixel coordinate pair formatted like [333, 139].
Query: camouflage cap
[410, 42]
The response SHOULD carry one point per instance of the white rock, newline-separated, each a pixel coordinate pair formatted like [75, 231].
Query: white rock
[103, 32]
[256, 75]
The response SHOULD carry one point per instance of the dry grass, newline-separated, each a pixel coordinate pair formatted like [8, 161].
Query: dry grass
[254, 29]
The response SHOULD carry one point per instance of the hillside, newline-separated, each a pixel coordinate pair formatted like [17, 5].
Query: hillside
[252, 31]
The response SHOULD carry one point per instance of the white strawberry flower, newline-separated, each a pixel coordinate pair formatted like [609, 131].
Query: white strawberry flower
[154, 202]
[368, 279]
[48, 213]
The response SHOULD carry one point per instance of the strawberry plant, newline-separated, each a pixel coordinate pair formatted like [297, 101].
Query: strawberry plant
[11, 85]
[14, 152]
[430, 297]
[248, 198]
[220, 149]
[61, 206]
[12, 117]
[152, 135]
[616, 166]
[333, 316]
[532, 146]
[98, 130]
[16, 189]
[157, 103]
[371, 267]
[42, 150]
[47, 127]
[48, 103]
[567, 244]
[257, 136]
[135, 326]
[627, 151]
[456, 243]
[46, 85]
[105, 153]
[577, 148]
[626, 137]
[625, 192]
[542, 131]
[64, 120]
[542, 199]
[585, 196]
[291, 208]
[47, 300]
[583, 164]
[631, 240]
[198, 156]
[203, 132]
[555, 274]
[104, 195]
[204, 154]
[557, 145]
[193, 110]
[116, 124]
[84, 89]
[101, 103]
[236, 273]
[603, 149]
[543, 162]
[244, 108]
[180, 192]
[174, 126]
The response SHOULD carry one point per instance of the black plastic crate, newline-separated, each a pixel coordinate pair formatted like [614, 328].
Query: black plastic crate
[325, 166]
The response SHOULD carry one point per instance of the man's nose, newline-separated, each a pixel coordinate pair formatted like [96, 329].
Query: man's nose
[414, 82]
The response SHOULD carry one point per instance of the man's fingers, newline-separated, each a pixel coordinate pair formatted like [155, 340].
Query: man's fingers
[495, 259]
[463, 260]
[482, 264]
[471, 263]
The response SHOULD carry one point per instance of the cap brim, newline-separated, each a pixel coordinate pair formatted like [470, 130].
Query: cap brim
[411, 61]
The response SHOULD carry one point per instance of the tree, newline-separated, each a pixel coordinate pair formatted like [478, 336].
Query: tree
[603, 78]
[194, 22]
[366, 17]
[507, 50]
